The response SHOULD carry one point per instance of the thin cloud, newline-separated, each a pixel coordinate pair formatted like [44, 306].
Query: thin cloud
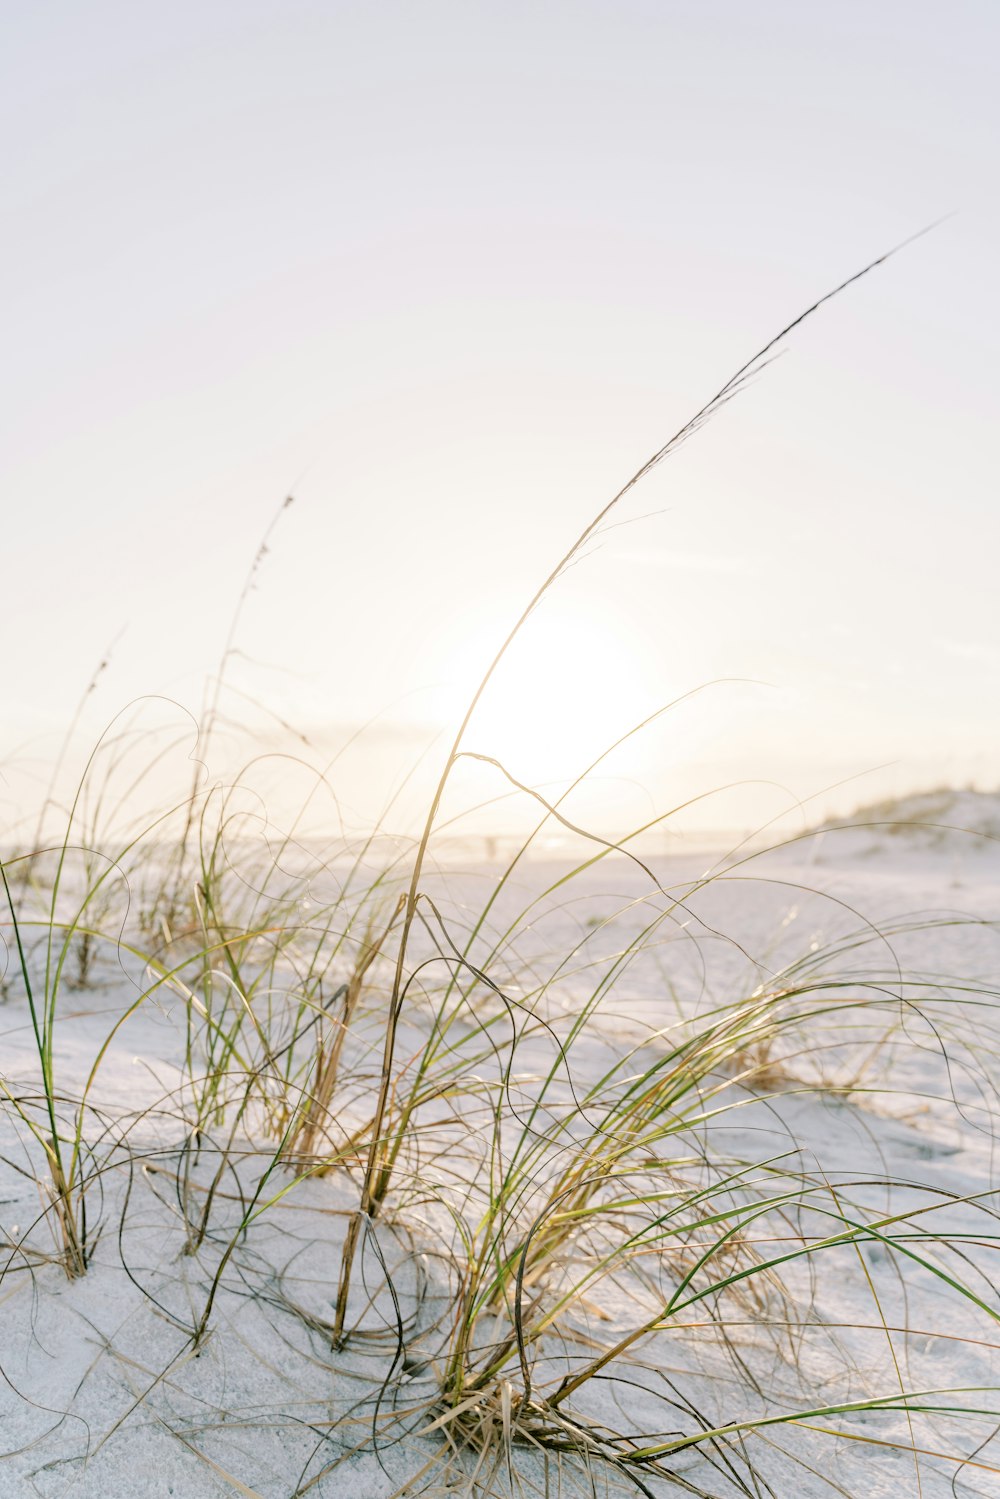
[688, 562]
[970, 650]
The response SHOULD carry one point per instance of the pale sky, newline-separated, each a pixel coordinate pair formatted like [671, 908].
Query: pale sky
[450, 272]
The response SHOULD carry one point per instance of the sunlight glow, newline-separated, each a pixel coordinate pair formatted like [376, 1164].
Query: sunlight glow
[571, 683]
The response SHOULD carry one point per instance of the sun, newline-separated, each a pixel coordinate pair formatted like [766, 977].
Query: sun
[571, 683]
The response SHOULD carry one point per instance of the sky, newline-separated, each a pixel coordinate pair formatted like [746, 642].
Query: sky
[448, 274]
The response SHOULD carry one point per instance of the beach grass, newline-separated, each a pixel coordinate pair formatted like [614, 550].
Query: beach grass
[565, 1225]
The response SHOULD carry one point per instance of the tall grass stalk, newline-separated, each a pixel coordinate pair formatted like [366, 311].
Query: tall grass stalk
[376, 1178]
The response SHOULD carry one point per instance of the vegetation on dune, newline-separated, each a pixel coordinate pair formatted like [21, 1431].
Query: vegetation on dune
[527, 1175]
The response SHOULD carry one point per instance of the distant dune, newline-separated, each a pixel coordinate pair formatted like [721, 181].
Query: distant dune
[944, 818]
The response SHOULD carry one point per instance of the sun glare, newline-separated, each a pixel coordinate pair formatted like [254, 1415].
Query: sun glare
[570, 684]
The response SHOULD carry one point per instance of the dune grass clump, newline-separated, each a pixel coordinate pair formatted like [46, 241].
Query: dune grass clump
[532, 1174]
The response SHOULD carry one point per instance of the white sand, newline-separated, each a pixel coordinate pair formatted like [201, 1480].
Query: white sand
[103, 1397]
